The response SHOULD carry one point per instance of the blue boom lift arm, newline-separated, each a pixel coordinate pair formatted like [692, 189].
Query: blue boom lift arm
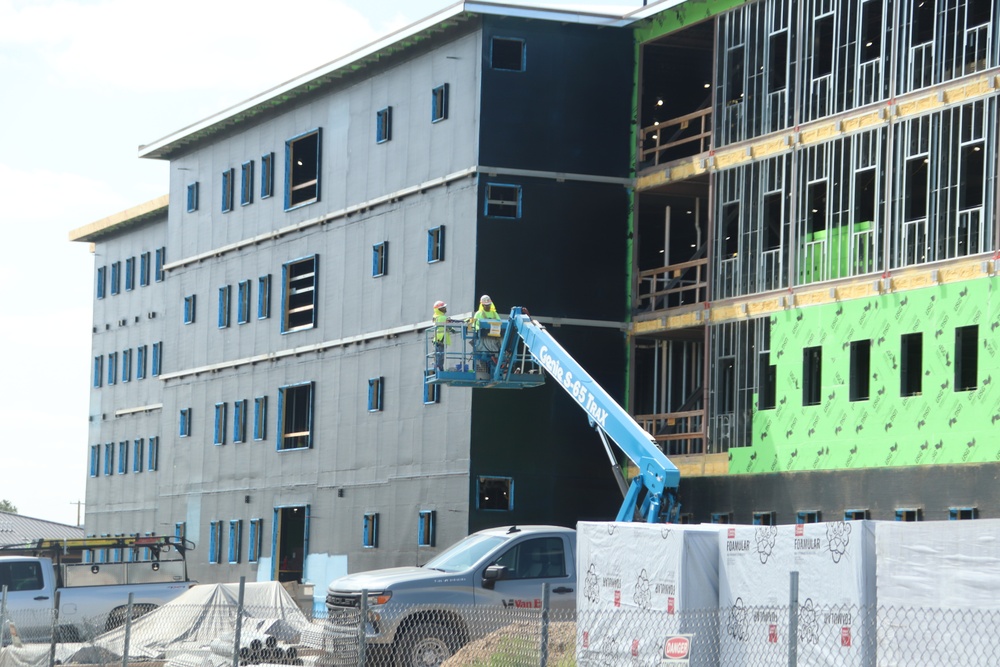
[652, 493]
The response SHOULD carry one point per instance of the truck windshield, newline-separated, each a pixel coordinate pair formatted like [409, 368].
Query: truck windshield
[465, 554]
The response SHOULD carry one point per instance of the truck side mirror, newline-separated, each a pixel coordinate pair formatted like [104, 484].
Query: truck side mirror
[492, 575]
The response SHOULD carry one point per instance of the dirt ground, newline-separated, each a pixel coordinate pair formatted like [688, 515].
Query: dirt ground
[517, 644]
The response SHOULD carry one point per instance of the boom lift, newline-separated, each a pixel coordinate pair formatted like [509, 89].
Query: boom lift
[521, 348]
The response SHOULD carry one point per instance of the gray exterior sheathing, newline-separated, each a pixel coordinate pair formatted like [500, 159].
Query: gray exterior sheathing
[409, 456]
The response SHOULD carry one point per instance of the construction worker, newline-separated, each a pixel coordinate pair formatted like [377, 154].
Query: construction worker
[487, 346]
[442, 334]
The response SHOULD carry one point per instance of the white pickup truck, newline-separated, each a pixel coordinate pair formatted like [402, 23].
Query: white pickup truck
[92, 596]
[422, 615]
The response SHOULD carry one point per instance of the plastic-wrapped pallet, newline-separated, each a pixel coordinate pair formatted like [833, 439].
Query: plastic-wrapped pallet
[836, 566]
[939, 592]
[639, 585]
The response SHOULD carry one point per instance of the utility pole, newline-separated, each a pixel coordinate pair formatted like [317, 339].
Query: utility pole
[78, 503]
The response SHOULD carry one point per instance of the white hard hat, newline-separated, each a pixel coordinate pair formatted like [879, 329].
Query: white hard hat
[440, 305]
[485, 300]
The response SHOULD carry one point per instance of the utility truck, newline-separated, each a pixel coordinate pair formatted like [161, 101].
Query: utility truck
[71, 590]
[421, 614]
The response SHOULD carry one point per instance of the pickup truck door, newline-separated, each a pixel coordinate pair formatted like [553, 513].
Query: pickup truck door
[529, 563]
[29, 600]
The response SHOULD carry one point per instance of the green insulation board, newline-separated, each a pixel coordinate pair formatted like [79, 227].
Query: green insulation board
[938, 425]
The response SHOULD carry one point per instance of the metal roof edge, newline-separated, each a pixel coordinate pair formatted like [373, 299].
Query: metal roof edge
[130, 216]
[160, 148]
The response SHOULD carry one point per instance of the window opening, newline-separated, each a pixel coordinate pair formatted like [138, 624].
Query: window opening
[219, 437]
[962, 513]
[435, 244]
[764, 519]
[144, 269]
[923, 22]
[503, 201]
[264, 297]
[214, 541]
[766, 396]
[112, 368]
[184, 428]
[246, 183]
[98, 370]
[439, 103]
[109, 458]
[154, 454]
[189, 303]
[224, 295]
[300, 294]
[860, 370]
[425, 528]
[192, 197]
[116, 277]
[126, 365]
[495, 493]
[970, 185]
[823, 46]
[227, 189]
[375, 394]
[909, 514]
[857, 515]
[777, 78]
[871, 30]
[101, 279]
[240, 421]
[253, 545]
[157, 358]
[138, 454]
[734, 75]
[130, 274]
[161, 258]
[507, 54]
[95, 460]
[812, 370]
[911, 364]
[266, 175]
[243, 302]
[432, 393]
[380, 259]
[808, 516]
[302, 166]
[295, 416]
[383, 125]
[123, 457]
[260, 418]
[235, 540]
[722, 517]
[369, 538]
[966, 358]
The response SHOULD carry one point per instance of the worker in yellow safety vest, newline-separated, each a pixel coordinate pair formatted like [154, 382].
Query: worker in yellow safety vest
[442, 335]
[486, 346]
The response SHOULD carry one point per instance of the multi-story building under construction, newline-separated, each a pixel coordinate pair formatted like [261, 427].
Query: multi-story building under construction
[768, 227]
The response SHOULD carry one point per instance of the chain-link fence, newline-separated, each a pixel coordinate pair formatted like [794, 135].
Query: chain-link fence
[228, 634]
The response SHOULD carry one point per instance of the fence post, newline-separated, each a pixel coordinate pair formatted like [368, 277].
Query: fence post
[3, 616]
[55, 627]
[544, 644]
[362, 619]
[793, 619]
[128, 630]
[238, 634]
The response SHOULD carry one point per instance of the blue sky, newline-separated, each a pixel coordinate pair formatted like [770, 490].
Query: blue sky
[85, 83]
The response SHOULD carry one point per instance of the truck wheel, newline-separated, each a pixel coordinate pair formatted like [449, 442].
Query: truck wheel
[116, 618]
[427, 645]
